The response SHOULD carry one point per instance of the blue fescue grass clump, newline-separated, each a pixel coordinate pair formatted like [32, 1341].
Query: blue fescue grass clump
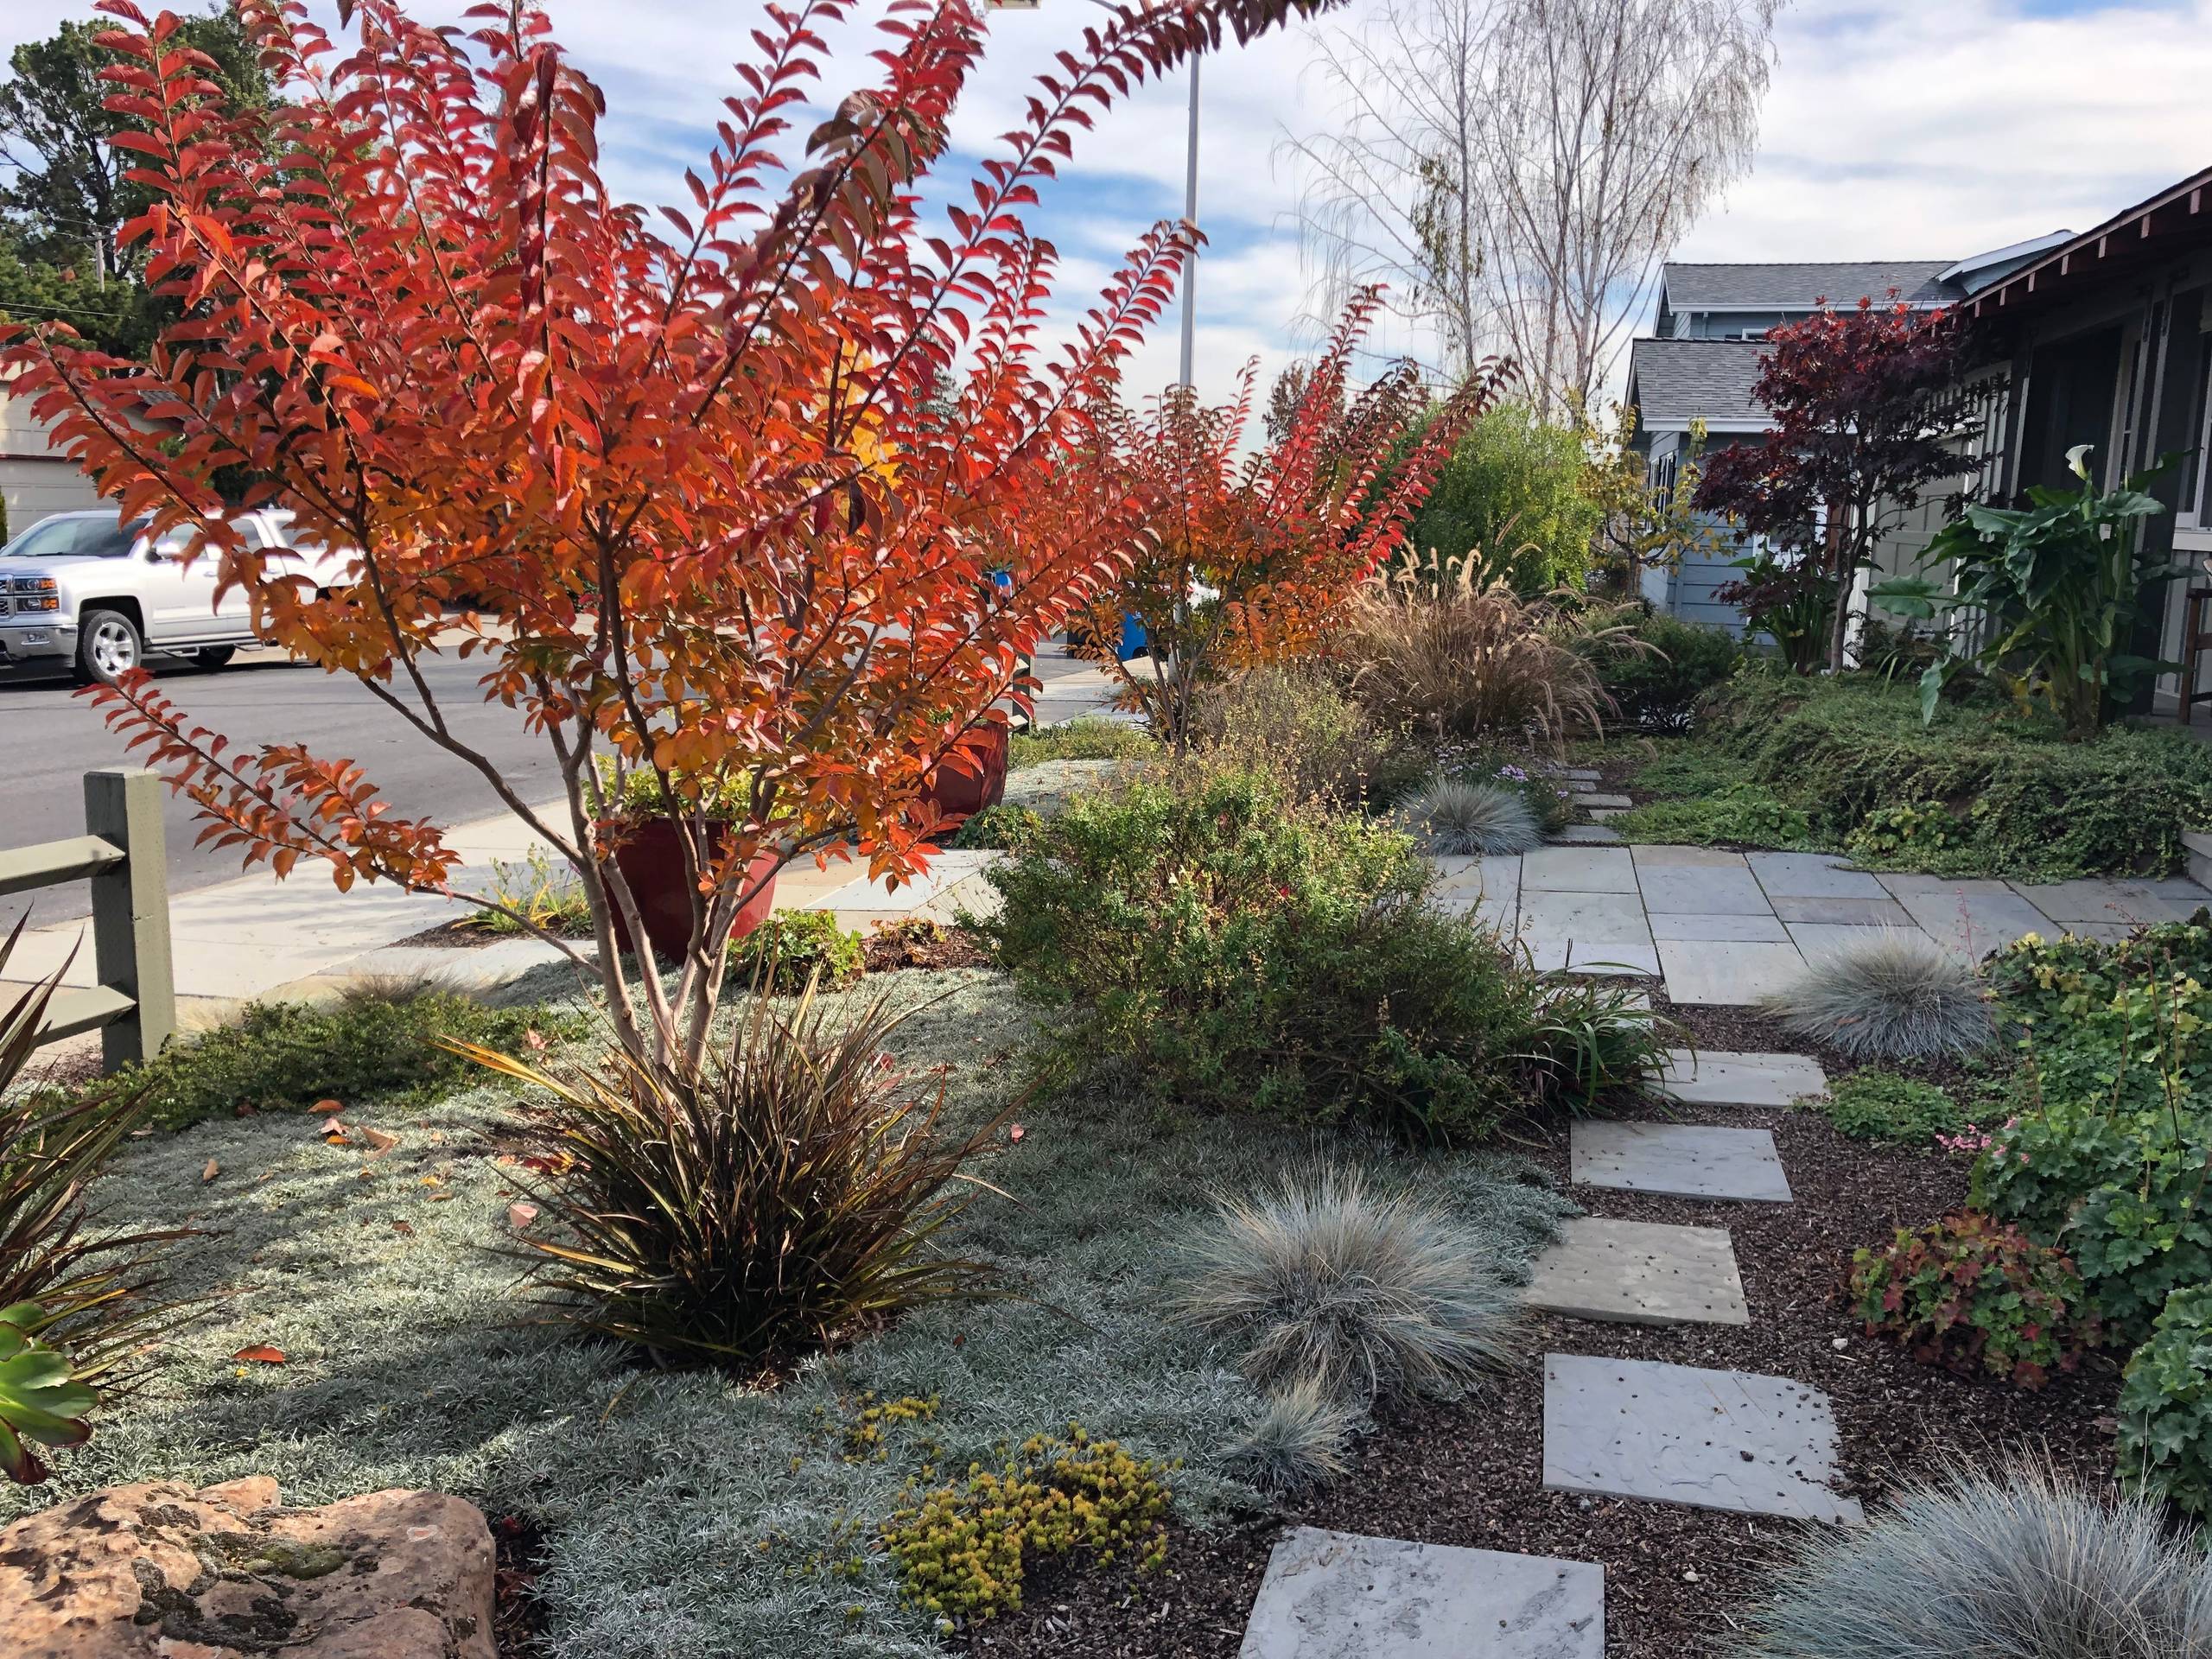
[2014, 1564]
[1466, 816]
[1326, 1278]
[688, 1515]
[1896, 995]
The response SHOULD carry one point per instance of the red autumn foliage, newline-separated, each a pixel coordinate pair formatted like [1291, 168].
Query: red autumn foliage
[1860, 403]
[728, 481]
[1282, 538]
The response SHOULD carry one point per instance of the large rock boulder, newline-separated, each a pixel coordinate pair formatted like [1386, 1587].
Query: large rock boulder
[162, 1571]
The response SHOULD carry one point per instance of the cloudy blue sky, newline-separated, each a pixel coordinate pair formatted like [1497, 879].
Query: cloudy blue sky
[1895, 129]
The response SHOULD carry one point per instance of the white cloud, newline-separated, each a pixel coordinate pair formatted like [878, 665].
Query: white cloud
[1894, 129]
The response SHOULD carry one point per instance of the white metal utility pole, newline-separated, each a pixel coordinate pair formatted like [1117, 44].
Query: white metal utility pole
[1190, 213]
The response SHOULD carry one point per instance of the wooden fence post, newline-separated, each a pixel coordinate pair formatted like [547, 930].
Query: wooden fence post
[130, 912]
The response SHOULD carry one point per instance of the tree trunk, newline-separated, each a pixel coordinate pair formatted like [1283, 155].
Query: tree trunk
[1843, 568]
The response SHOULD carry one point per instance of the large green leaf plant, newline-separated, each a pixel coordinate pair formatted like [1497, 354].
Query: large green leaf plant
[2060, 584]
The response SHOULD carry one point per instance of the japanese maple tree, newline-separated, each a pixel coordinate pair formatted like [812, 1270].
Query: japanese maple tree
[731, 481]
[1251, 557]
[1862, 408]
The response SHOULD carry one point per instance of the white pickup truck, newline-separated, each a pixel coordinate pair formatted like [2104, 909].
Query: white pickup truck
[86, 592]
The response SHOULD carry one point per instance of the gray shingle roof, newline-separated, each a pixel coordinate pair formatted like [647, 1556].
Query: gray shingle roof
[1796, 287]
[1673, 382]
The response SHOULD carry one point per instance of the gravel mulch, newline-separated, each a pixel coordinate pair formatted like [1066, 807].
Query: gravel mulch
[1677, 1580]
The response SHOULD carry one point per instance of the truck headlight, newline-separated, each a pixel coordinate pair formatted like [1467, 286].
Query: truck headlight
[35, 594]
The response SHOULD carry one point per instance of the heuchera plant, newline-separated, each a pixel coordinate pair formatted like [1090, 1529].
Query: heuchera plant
[731, 481]
[1248, 558]
[1971, 1294]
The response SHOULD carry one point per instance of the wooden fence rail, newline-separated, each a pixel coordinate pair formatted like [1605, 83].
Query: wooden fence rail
[134, 1004]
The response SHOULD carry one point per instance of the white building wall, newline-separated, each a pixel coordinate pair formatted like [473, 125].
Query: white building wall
[36, 479]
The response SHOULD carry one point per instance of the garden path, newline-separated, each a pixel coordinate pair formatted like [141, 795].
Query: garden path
[1729, 928]
[1626, 1428]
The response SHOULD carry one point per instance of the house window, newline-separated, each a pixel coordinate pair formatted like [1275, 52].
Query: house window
[2196, 464]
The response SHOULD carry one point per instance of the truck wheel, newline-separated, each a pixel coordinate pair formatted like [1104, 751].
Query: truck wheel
[109, 646]
[212, 657]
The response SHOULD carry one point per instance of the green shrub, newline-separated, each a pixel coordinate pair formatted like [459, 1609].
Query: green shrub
[2165, 1405]
[2029, 804]
[371, 1043]
[1903, 831]
[1248, 953]
[1654, 690]
[1089, 738]
[2058, 984]
[1883, 1107]
[789, 1192]
[2123, 1190]
[997, 828]
[1297, 720]
[2107, 1151]
[1971, 1295]
[790, 947]
[1511, 493]
[1739, 814]
[965, 1550]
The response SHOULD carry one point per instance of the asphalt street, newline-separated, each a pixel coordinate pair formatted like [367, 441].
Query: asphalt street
[56, 736]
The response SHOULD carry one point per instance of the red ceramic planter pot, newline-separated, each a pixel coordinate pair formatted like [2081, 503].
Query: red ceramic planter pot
[971, 777]
[650, 857]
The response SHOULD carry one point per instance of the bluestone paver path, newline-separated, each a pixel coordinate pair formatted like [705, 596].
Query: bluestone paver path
[1639, 1273]
[1685, 1161]
[1710, 1439]
[1341, 1595]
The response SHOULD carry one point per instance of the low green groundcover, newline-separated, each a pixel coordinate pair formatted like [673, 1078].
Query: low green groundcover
[687, 1516]
[290, 1056]
[1847, 764]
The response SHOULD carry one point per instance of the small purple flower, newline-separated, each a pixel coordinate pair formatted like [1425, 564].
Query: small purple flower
[1514, 772]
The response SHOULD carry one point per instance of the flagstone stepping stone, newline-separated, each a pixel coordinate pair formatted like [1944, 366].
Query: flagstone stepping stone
[2089, 900]
[1841, 912]
[1605, 813]
[1680, 1160]
[1972, 918]
[1340, 1595]
[1763, 929]
[1580, 774]
[1652, 854]
[1721, 1078]
[1738, 977]
[1592, 958]
[1639, 1273]
[1811, 875]
[1584, 916]
[1587, 835]
[1679, 1434]
[1700, 890]
[1576, 869]
[1592, 800]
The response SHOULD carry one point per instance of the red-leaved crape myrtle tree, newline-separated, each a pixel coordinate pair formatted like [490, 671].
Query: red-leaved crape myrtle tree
[735, 483]
[1864, 406]
[1252, 557]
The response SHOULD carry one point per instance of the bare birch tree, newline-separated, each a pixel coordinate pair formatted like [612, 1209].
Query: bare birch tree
[1517, 169]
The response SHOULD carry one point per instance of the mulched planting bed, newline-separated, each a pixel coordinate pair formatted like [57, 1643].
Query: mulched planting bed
[1724, 1030]
[1676, 1579]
